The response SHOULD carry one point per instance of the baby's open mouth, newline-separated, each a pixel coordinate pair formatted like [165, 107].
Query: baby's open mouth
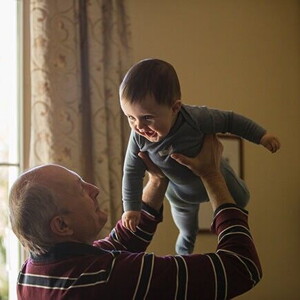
[149, 133]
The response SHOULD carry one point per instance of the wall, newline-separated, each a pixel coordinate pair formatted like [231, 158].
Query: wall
[241, 56]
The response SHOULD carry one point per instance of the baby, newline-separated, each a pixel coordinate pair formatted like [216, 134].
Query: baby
[161, 124]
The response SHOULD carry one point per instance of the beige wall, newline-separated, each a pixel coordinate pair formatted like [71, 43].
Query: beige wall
[240, 55]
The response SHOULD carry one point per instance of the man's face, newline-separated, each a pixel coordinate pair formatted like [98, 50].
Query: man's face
[150, 119]
[78, 201]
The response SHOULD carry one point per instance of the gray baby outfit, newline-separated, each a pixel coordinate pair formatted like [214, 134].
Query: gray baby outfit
[185, 191]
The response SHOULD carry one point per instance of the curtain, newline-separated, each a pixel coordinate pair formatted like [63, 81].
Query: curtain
[80, 50]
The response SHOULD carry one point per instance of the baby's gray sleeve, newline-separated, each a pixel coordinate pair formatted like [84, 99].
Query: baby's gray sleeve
[246, 128]
[133, 175]
[230, 122]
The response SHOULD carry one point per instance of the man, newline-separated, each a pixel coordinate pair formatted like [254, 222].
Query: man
[55, 215]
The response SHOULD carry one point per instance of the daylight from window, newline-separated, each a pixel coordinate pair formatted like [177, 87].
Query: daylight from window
[9, 147]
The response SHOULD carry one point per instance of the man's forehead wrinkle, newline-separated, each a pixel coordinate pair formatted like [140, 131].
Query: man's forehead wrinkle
[37, 172]
[50, 174]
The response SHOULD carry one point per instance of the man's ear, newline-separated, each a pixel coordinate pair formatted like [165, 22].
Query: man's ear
[59, 226]
[176, 106]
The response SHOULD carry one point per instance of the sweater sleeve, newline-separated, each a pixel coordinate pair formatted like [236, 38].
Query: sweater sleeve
[210, 120]
[133, 174]
[122, 238]
[231, 122]
[230, 271]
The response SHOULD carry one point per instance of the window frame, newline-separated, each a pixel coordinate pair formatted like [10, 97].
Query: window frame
[14, 253]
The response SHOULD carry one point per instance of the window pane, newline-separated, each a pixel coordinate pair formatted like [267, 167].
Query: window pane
[6, 173]
[9, 145]
[3, 229]
[8, 81]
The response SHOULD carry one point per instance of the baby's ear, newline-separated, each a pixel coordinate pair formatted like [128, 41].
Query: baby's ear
[176, 106]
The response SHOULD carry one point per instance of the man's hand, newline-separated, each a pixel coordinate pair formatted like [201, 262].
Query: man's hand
[207, 161]
[154, 191]
[131, 219]
[270, 142]
[206, 165]
[152, 169]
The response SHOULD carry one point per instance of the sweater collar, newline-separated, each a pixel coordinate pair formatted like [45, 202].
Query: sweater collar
[66, 250]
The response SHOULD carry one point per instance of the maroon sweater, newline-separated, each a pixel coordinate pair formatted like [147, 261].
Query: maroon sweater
[118, 268]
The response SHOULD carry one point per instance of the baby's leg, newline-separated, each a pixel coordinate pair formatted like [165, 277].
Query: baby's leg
[186, 220]
[236, 185]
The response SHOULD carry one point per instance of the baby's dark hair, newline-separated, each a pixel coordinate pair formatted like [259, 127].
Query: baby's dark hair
[152, 77]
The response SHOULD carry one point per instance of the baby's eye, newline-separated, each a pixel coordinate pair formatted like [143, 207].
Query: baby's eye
[131, 118]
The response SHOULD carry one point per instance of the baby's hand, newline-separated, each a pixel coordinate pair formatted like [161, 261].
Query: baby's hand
[131, 219]
[270, 142]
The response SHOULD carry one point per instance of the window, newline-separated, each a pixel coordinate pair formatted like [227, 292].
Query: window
[9, 140]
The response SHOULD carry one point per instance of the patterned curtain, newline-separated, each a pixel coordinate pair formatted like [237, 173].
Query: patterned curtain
[80, 50]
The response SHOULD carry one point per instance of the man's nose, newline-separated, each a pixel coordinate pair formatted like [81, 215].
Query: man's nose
[93, 190]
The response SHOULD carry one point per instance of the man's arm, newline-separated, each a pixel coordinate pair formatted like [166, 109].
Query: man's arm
[155, 188]
[120, 237]
[231, 270]
[235, 264]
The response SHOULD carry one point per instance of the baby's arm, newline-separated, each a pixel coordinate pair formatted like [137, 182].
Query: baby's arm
[131, 219]
[132, 184]
[153, 192]
[270, 142]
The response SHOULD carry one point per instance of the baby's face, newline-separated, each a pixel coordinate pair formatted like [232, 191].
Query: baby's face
[150, 119]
